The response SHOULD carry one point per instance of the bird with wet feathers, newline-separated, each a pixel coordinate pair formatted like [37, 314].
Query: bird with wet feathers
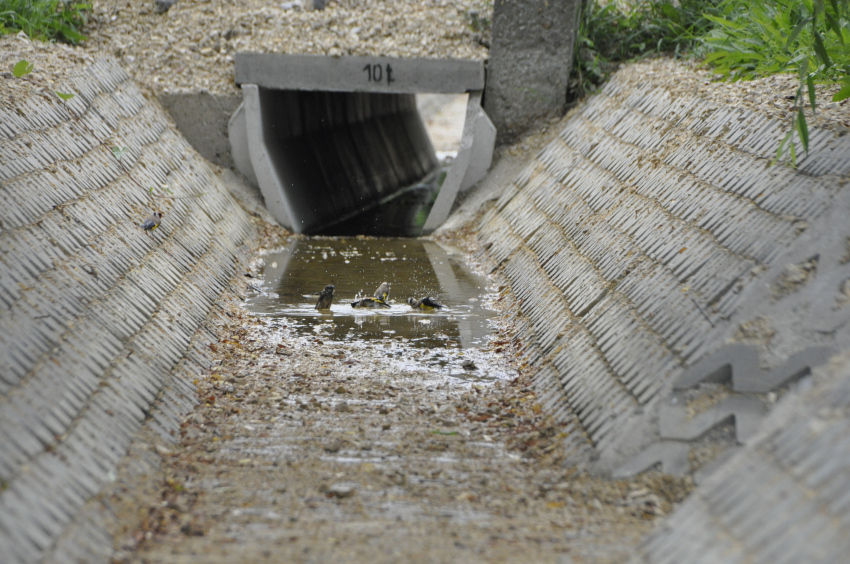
[383, 292]
[326, 297]
[152, 222]
[378, 301]
[426, 303]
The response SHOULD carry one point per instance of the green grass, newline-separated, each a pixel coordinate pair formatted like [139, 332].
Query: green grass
[739, 39]
[810, 38]
[753, 39]
[612, 33]
[44, 20]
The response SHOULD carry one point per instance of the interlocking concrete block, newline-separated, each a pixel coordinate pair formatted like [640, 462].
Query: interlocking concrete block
[739, 364]
[530, 58]
[782, 498]
[746, 412]
[673, 457]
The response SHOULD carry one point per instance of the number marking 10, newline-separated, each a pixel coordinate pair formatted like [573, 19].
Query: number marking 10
[376, 73]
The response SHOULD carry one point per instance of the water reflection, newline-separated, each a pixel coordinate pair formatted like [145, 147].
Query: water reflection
[414, 268]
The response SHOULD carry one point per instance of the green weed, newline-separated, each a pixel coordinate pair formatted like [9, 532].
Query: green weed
[44, 20]
[741, 39]
[754, 38]
[613, 33]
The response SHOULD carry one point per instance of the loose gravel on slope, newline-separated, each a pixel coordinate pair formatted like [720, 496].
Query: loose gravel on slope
[772, 96]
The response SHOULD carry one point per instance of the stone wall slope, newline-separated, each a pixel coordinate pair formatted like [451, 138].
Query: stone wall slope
[101, 323]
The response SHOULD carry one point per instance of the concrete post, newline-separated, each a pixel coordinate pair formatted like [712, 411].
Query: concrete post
[530, 59]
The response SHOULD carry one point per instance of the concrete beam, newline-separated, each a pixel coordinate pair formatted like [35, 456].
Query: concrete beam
[359, 74]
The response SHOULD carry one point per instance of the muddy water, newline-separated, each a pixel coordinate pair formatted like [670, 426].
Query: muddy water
[357, 266]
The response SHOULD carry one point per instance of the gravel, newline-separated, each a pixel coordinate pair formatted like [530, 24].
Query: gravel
[190, 47]
[772, 96]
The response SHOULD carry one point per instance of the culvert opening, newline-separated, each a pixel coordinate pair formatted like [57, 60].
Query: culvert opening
[366, 159]
[338, 148]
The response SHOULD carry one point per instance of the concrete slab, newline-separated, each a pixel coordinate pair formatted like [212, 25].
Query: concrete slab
[203, 121]
[471, 164]
[386, 75]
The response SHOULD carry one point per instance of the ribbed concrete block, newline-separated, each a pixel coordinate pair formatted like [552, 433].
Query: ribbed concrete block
[88, 336]
[656, 219]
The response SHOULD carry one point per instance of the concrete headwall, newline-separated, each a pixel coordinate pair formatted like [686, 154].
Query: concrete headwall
[101, 324]
[651, 247]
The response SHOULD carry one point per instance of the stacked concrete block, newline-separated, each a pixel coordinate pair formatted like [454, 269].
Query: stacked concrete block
[101, 323]
[783, 498]
[649, 235]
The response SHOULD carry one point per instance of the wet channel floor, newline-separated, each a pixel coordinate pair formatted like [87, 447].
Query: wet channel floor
[356, 267]
[357, 436]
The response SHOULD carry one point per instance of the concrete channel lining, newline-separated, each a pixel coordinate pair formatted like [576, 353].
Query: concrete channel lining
[102, 325]
[670, 283]
[648, 235]
[290, 189]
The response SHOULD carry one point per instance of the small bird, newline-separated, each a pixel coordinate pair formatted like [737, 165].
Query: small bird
[326, 297]
[426, 303]
[369, 302]
[383, 292]
[152, 222]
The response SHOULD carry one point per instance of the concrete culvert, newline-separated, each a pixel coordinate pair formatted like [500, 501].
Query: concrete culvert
[338, 154]
[337, 145]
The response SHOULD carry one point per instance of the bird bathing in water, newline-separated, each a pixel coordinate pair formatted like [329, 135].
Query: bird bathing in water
[427, 303]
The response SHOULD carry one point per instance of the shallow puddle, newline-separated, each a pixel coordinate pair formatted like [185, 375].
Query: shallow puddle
[357, 266]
